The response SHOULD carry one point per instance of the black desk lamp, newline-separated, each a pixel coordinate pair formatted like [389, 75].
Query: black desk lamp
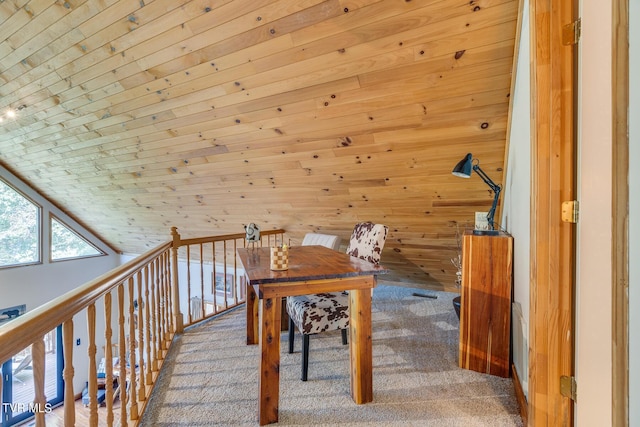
[463, 170]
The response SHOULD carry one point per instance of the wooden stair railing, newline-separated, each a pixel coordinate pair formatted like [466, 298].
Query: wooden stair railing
[141, 300]
[213, 258]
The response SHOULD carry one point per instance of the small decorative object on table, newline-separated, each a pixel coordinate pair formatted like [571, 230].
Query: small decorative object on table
[280, 258]
[481, 221]
[252, 234]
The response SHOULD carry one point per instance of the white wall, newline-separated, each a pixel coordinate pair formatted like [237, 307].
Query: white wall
[37, 284]
[594, 290]
[634, 214]
[517, 202]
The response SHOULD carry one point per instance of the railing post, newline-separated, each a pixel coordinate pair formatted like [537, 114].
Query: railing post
[133, 370]
[38, 358]
[122, 354]
[108, 359]
[142, 320]
[68, 374]
[93, 368]
[175, 288]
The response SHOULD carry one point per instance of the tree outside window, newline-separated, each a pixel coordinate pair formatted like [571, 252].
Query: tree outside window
[19, 228]
[20, 235]
[67, 244]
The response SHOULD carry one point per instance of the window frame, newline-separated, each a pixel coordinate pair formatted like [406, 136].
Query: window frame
[53, 216]
[39, 221]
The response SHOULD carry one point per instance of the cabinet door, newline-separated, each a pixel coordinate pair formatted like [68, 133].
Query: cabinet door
[485, 312]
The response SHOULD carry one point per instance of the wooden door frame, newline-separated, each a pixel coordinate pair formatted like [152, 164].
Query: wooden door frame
[620, 230]
[553, 181]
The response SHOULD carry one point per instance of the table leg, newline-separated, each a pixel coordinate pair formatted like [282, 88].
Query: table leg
[252, 316]
[361, 346]
[270, 361]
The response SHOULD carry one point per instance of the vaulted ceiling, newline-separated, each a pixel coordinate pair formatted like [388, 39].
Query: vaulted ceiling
[135, 116]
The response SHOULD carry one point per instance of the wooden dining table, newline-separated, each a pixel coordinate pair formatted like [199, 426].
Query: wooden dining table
[312, 270]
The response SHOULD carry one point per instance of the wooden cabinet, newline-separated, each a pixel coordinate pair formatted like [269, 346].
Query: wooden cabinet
[485, 312]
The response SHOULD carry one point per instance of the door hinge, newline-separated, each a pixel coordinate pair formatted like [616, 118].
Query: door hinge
[570, 211]
[571, 32]
[568, 387]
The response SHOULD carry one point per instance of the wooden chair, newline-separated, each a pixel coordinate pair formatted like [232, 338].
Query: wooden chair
[312, 314]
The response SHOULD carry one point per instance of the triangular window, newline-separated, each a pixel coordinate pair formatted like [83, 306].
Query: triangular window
[68, 244]
[19, 228]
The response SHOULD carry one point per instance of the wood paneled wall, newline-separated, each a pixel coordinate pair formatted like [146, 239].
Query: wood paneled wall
[309, 116]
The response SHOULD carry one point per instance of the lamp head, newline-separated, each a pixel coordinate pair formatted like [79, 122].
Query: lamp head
[464, 167]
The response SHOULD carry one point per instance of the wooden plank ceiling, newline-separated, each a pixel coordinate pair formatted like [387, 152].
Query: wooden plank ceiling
[135, 116]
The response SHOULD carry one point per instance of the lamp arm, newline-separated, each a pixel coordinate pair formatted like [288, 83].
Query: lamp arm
[486, 178]
[496, 189]
[494, 205]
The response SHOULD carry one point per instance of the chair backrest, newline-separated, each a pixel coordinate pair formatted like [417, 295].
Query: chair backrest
[328, 240]
[24, 364]
[367, 241]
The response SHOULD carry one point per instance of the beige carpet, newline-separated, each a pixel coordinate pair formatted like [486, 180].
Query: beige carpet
[211, 376]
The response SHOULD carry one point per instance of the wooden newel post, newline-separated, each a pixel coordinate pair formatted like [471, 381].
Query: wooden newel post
[175, 288]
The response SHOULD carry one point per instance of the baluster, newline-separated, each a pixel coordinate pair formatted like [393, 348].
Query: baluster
[188, 279]
[157, 321]
[213, 278]
[93, 369]
[142, 395]
[162, 319]
[170, 308]
[202, 311]
[108, 359]
[165, 305]
[133, 408]
[236, 280]
[68, 374]
[147, 323]
[38, 361]
[122, 355]
[224, 273]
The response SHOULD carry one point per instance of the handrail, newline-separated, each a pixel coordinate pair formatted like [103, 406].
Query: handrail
[142, 309]
[22, 331]
[209, 239]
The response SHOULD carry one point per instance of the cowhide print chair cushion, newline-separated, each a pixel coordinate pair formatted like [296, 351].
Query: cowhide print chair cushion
[312, 314]
[367, 241]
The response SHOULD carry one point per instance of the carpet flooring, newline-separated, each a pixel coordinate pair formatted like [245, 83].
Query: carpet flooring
[211, 375]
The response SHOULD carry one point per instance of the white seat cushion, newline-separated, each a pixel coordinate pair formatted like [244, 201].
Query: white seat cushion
[328, 240]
